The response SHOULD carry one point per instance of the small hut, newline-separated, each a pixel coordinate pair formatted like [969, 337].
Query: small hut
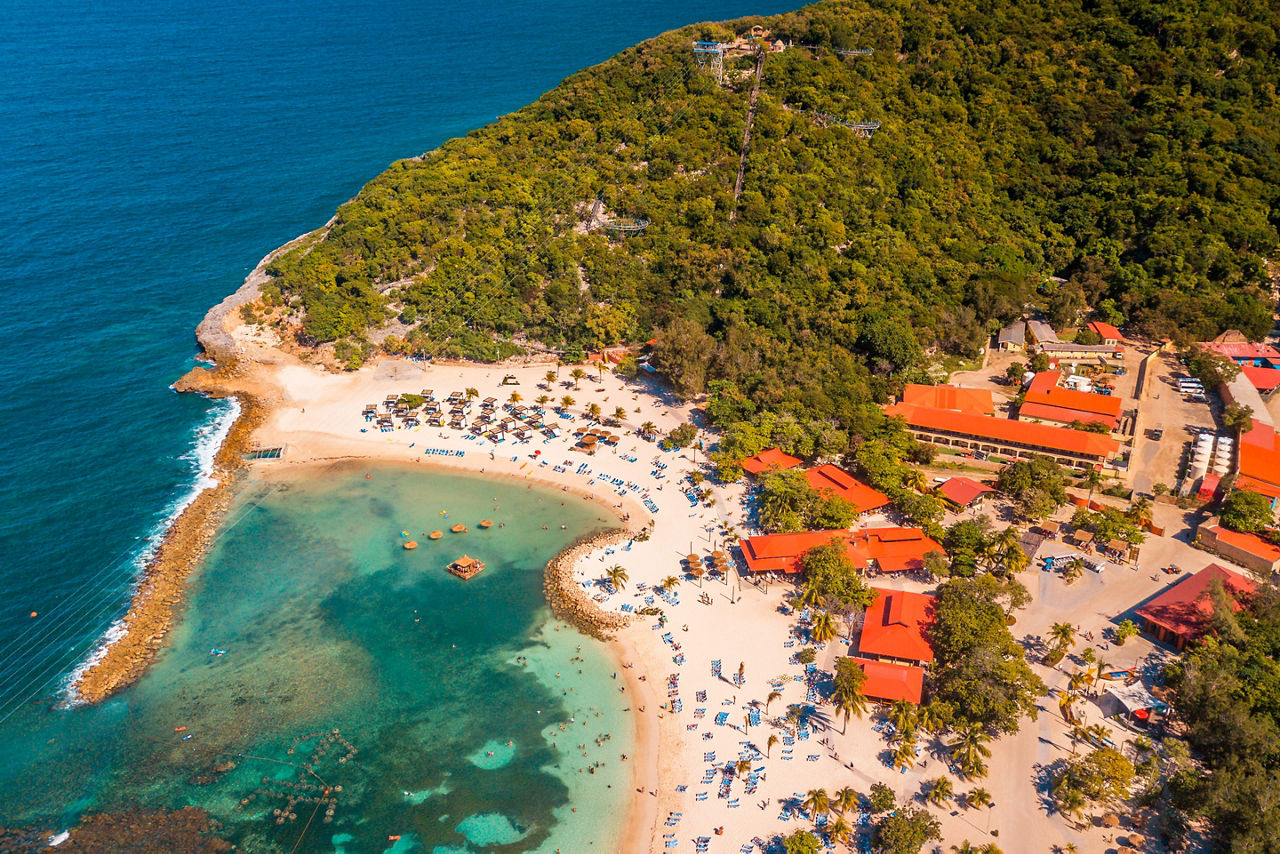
[466, 567]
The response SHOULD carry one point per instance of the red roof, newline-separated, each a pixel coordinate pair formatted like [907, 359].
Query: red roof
[1045, 400]
[1183, 608]
[1106, 330]
[962, 490]
[1242, 350]
[1250, 543]
[1263, 379]
[890, 682]
[1260, 461]
[782, 552]
[830, 479]
[1044, 436]
[897, 626]
[1208, 487]
[892, 549]
[771, 460]
[975, 400]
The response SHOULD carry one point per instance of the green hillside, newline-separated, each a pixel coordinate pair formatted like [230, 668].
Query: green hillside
[1129, 148]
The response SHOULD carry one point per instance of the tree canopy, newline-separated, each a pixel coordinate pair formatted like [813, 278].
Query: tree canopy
[1126, 148]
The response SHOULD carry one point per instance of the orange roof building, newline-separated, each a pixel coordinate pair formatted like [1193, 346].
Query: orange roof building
[1265, 380]
[974, 400]
[1248, 550]
[1045, 401]
[772, 459]
[897, 626]
[1179, 615]
[962, 491]
[886, 549]
[890, 682]
[831, 480]
[891, 549]
[1259, 456]
[784, 552]
[1018, 439]
[1108, 333]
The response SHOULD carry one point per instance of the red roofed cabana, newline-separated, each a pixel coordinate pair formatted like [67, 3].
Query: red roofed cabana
[891, 549]
[835, 481]
[963, 491]
[897, 626]
[892, 682]
[1108, 333]
[1179, 615]
[769, 460]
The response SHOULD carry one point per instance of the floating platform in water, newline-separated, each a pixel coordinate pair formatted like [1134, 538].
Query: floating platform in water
[466, 567]
[459, 528]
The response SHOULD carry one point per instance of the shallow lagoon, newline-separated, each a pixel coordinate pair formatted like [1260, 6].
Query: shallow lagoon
[451, 714]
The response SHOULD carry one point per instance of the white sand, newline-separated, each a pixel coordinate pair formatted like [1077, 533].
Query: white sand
[320, 418]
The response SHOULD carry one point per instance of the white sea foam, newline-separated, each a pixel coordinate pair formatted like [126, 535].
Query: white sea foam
[208, 438]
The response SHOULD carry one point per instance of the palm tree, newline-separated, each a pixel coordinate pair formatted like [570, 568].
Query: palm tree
[824, 627]
[566, 401]
[515, 397]
[577, 374]
[617, 575]
[542, 400]
[1078, 734]
[647, 429]
[619, 413]
[927, 719]
[670, 583]
[1092, 479]
[1064, 635]
[1140, 511]
[915, 479]
[1098, 734]
[773, 695]
[847, 799]
[850, 704]
[550, 377]
[593, 411]
[743, 767]
[840, 830]
[970, 749]
[977, 798]
[769, 743]
[1071, 801]
[1078, 680]
[1064, 705]
[817, 801]
[904, 755]
[940, 791]
[472, 393]
[904, 716]
[1009, 545]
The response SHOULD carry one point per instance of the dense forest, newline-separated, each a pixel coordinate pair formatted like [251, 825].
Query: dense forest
[1115, 155]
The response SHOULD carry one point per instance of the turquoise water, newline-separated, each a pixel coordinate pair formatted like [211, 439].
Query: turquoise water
[409, 682]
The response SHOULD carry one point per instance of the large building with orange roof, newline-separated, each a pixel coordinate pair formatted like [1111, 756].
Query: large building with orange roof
[1108, 333]
[1017, 439]
[838, 482]
[974, 400]
[1044, 400]
[889, 682]
[1259, 452]
[773, 459]
[897, 627]
[886, 549]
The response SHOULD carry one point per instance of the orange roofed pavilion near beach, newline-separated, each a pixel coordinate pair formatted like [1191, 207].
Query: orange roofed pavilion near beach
[769, 460]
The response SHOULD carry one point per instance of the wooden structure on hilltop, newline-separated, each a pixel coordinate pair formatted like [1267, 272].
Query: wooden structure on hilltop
[466, 567]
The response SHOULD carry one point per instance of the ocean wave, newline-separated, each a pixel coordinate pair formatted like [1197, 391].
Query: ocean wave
[207, 439]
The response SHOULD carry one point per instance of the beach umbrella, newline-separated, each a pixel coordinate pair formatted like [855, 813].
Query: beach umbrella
[1137, 840]
[1110, 820]
[692, 558]
[718, 555]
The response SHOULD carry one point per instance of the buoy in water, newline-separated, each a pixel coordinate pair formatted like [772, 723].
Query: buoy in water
[411, 545]
[34, 614]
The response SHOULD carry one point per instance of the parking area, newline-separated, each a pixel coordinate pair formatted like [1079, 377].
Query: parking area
[1177, 418]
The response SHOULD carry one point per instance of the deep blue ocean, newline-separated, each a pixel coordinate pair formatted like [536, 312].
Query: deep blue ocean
[151, 154]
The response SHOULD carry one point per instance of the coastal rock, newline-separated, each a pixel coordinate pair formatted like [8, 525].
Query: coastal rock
[566, 597]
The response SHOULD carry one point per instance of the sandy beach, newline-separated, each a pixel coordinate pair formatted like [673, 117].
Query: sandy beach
[717, 765]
